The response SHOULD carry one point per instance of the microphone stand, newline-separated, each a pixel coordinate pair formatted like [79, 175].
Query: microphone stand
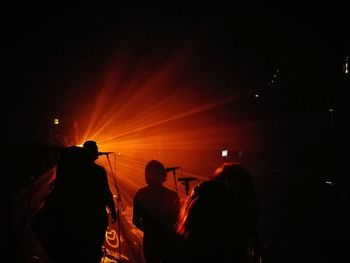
[187, 186]
[174, 173]
[186, 182]
[119, 205]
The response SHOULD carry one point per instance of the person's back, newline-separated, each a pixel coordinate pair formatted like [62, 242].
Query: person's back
[155, 212]
[216, 221]
[57, 224]
[162, 203]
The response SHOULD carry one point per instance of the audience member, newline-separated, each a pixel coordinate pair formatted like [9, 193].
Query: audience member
[218, 220]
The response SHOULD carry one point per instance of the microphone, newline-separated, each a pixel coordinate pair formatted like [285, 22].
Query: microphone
[171, 169]
[104, 153]
[187, 179]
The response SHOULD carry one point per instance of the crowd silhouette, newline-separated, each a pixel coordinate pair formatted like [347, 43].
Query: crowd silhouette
[216, 221]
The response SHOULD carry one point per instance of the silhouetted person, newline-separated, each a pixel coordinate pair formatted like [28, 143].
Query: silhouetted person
[57, 224]
[155, 212]
[218, 220]
[101, 197]
[72, 224]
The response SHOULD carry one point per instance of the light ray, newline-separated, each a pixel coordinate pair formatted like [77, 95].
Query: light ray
[162, 109]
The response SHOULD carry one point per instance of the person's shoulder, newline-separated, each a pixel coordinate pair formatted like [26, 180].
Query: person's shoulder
[142, 193]
[142, 190]
[170, 191]
[99, 168]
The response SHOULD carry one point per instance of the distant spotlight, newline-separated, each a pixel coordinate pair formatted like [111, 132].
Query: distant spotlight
[346, 65]
[256, 95]
[329, 182]
[224, 153]
[331, 110]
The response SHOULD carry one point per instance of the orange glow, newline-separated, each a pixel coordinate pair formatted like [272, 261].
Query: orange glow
[165, 111]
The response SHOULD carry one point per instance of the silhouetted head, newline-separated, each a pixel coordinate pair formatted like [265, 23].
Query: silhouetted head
[70, 164]
[70, 155]
[91, 149]
[155, 172]
[237, 178]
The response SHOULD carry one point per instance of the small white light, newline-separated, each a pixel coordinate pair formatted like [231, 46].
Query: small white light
[329, 182]
[256, 95]
[346, 66]
[224, 153]
[331, 110]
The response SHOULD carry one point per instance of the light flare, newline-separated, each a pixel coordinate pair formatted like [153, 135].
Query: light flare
[168, 112]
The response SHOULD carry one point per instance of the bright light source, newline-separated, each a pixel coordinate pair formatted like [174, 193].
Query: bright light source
[56, 121]
[346, 66]
[256, 95]
[224, 153]
[331, 110]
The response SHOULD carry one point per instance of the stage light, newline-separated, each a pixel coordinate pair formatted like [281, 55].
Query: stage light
[224, 153]
[346, 65]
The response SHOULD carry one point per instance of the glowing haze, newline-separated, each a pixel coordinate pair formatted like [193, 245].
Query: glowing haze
[167, 108]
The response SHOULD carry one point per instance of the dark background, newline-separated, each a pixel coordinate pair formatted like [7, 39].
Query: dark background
[45, 51]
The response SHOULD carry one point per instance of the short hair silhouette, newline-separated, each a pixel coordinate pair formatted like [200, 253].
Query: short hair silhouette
[155, 172]
[91, 148]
